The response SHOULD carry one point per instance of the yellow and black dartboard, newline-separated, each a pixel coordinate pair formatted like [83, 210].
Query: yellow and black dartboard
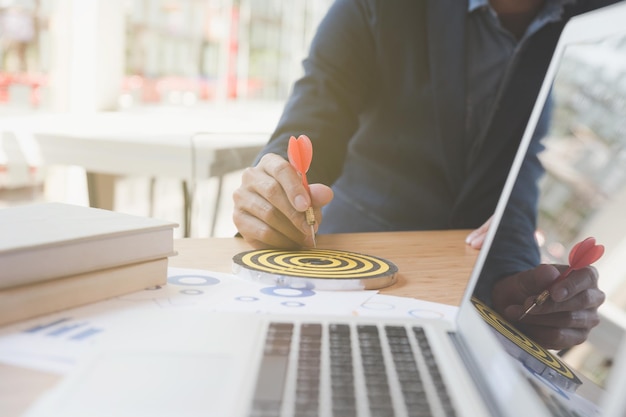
[533, 355]
[321, 268]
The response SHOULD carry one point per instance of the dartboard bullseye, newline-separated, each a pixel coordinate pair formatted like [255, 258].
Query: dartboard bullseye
[325, 269]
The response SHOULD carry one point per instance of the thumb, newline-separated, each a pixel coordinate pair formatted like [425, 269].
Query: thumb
[320, 195]
[536, 280]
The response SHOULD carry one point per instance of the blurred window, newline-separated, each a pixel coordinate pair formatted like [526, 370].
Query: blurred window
[24, 51]
[188, 51]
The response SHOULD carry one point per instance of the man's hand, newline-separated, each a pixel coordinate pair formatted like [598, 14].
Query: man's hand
[476, 238]
[567, 316]
[270, 205]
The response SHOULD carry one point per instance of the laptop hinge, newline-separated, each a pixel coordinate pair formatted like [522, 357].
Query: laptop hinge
[481, 383]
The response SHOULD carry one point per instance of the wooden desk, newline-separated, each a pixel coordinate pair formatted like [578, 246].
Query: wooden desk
[433, 266]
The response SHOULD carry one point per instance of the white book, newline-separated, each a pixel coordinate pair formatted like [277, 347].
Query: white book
[32, 300]
[45, 241]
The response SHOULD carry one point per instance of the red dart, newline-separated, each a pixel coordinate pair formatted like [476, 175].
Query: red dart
[300, 153]
[581, 256]
[584, 254]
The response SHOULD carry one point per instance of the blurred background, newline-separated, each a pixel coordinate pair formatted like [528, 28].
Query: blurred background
[145, 52]
[68, 65]
[153, 107]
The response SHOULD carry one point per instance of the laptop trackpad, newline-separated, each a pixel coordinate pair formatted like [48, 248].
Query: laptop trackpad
[154, 384]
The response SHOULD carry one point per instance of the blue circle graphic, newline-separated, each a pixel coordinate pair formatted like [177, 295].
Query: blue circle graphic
[246, 298]
[426, 314]
[289, 292]
[192, 280]
[191, 291]
[293, 304]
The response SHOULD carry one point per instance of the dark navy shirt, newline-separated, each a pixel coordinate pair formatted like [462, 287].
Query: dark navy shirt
[384, 100]
[490, 56]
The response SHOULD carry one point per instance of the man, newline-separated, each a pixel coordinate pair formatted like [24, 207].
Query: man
[415, 110]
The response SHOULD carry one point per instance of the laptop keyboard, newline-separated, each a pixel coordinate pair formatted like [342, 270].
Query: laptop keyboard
[348, 371]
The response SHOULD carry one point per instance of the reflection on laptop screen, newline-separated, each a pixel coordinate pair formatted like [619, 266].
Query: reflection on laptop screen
[577, 161]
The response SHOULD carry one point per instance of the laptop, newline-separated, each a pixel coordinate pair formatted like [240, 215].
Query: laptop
[189, 363]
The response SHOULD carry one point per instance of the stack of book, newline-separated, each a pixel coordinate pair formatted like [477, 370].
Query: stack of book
[55, 256]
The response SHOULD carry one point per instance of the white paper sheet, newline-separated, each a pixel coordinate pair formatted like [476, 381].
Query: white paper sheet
[54, 343]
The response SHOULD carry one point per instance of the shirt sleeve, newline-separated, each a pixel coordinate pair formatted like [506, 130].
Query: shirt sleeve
[338, 81]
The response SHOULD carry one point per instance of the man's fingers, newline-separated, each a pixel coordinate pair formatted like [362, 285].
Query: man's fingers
[321, 194]
[287, 179]
[575, 283]
[286, 192]
[565, 318]
[476, 238]
[558, 330]
[263, 195]
[556, 338]
[591, 298]
[577, 319]
[260, 235]
[534, 281]
[258, 219]
[270, 205]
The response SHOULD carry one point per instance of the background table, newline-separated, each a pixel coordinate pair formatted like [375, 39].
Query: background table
[190, 145]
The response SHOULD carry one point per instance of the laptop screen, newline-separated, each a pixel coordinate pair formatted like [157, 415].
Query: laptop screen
[573, 158]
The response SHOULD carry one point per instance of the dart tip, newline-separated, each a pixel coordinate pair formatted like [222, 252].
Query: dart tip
[527, 310]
